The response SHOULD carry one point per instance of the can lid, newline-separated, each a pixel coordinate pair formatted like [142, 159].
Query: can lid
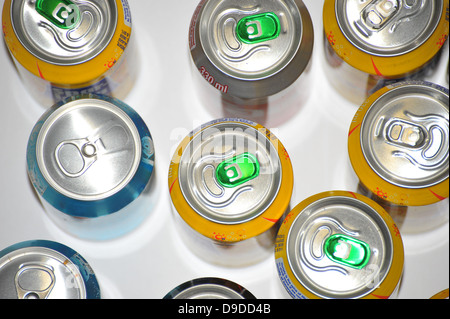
[404, 138]
[91, 150]
[230, 174]
[388, 27]
[209, 288]
[251, 43]
[45, 270]
[64, 32]
[340, 245]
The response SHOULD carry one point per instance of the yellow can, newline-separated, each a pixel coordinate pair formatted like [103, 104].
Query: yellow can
[441, 295]
[339, 244]
[64, 48]
[398, 147]
[369, 44]
[230, 182]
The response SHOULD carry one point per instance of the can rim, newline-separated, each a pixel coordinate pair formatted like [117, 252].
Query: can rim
[252, 228]
[370, 179]
[395, 66]
[392, 278]
[88, 277]
[78, 74]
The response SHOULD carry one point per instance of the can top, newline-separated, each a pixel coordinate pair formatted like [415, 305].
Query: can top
[90, 149]
[388, 27]
[45, 270]
[338, 245]
[209, 288]
[405, 136]
[230, 173]
[64, 32]
[247, 43]
[250, 42]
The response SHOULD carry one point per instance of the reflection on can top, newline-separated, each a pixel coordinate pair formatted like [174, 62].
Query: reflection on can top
[45, 270]
[388, 27]
[209, 288]
[405, 135]
[230, 173]
[339, 245]
[90, 150]
[248, 40]
[62, 31]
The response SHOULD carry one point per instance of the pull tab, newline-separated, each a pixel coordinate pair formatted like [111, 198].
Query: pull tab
[259, 27]
[376, 15]
[34, 281]
[405, 134]
[75, 157]
[423, 141]
[238, 170]
[347, 251]
[62, 13]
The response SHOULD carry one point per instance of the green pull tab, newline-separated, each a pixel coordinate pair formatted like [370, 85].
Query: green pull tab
[238, 170]
[62, 13]
[258, 28]
[347, 251]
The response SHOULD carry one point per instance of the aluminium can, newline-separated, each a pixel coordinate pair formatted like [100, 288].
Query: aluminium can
[339, 244]
[42, 269]
[209, 288]
[230, 182]
[63, 48]
[398, 146]
[90, 158]
[369, 44]
[247, 55]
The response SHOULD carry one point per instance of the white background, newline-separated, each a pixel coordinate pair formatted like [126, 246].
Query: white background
[151, 261]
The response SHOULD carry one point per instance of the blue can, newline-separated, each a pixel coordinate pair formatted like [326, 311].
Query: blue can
[42, 269]
[90, 158]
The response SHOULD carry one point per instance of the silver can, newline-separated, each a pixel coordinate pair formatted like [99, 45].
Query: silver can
[370, 44]
[230, 182]
[399, 148]
[339, 245]
[90, 159]
[248, 54]
[42, 269]
[64, 48]
[209, 288]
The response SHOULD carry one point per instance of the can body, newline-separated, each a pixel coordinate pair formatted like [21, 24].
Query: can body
[369, 44]
[90, 158]
[66, 48]
[41, 269]
[398, 148]
[230, 182]
[247, 56]
[209, 288]
[339, 244]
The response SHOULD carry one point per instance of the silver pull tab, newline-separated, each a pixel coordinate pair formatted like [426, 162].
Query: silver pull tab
[376, 15]
[423, 140]
[75, 157]
[34, 281]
